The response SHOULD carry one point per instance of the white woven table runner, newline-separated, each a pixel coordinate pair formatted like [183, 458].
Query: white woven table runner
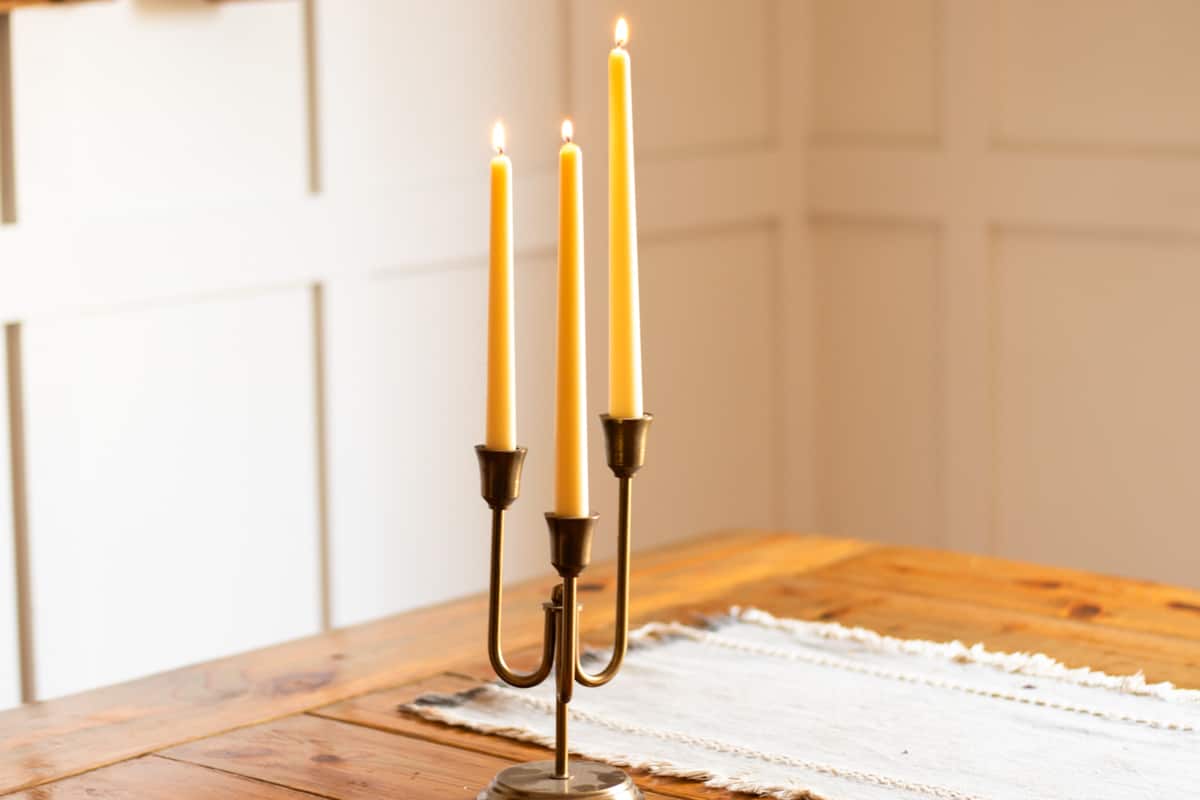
[796, 709]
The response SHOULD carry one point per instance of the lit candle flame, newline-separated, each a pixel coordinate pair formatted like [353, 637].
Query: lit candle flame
[498, 137]
[622, 35]
[568, 130]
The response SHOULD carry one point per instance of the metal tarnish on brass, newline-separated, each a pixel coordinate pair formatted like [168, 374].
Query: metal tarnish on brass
[536, 781]
[571, 543]
[570, 553]
[626, 442]
[500, 475]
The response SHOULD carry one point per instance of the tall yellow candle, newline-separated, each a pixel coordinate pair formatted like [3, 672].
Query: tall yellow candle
[501, 383]
[624, 320]
[570, 411]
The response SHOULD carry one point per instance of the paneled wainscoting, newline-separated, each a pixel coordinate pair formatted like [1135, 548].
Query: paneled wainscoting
[246, 282]
[913, 271]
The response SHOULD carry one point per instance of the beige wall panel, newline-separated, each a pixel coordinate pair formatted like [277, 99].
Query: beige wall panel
[876, 70]
[794, 301]
[709, 347]
[877, 380]
[1097, 389]
[413, 88]
[155, 105]
[171, 486]
[701, 71]
[1097, 73]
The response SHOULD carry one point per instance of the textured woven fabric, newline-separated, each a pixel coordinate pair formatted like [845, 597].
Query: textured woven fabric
[796, 709]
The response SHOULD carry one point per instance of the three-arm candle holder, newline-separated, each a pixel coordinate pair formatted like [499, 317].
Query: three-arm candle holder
[570, 553]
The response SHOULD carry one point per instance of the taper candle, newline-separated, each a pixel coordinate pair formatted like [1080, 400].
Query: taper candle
[570, 417]
[624, 321]
[501, 379]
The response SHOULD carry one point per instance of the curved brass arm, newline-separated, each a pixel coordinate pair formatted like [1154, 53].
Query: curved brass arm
[495, 597]
[621, 639]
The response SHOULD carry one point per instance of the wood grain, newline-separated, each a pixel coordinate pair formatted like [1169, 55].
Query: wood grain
[380, 710]
[348, 762]
[908, 615]
[52, 740]
[155, 777]
[353, 743]
[1051, 591]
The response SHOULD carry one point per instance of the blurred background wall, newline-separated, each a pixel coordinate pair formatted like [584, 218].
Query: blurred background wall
[914, 271]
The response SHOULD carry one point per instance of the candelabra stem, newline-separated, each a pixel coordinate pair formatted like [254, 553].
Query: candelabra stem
[568, 655]
[562, 758]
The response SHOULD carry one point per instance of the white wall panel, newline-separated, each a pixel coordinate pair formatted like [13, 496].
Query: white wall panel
[414, 87]
[156, 107]
[701, 71]
[171, 485]
[10, 677]
[876, 70]
[1097, 391]
[1097, 73]
[407, 400]
[161, 154]
[877, 380]
[409, 527]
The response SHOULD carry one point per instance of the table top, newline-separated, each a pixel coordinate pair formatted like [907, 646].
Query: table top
[318, 716]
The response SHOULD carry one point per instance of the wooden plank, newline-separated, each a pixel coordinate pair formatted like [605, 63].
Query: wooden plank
[348, 762]
[770, 571]
[52, 740]
[1077, 644]
[1114, 650]
[154, 777]
[1051, 591]
[379, 710]
[895, 613]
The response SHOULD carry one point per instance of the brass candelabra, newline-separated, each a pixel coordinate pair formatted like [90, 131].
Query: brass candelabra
[570, 553]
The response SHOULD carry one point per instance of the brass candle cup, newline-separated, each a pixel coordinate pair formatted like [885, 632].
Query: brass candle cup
[625, 441]
[500, 475]
[571, 543]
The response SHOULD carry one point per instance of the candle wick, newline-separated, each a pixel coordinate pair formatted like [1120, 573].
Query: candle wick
[621, 34]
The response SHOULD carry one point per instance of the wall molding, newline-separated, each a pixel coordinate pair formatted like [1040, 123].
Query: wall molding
[8, 162]
[20, 514]
[319, 238]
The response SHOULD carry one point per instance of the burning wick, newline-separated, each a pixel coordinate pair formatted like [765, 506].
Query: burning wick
[498, 137]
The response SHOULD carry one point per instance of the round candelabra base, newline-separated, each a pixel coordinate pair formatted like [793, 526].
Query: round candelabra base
[536, 781]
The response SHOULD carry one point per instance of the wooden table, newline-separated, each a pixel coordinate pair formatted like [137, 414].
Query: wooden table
[318, 716]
